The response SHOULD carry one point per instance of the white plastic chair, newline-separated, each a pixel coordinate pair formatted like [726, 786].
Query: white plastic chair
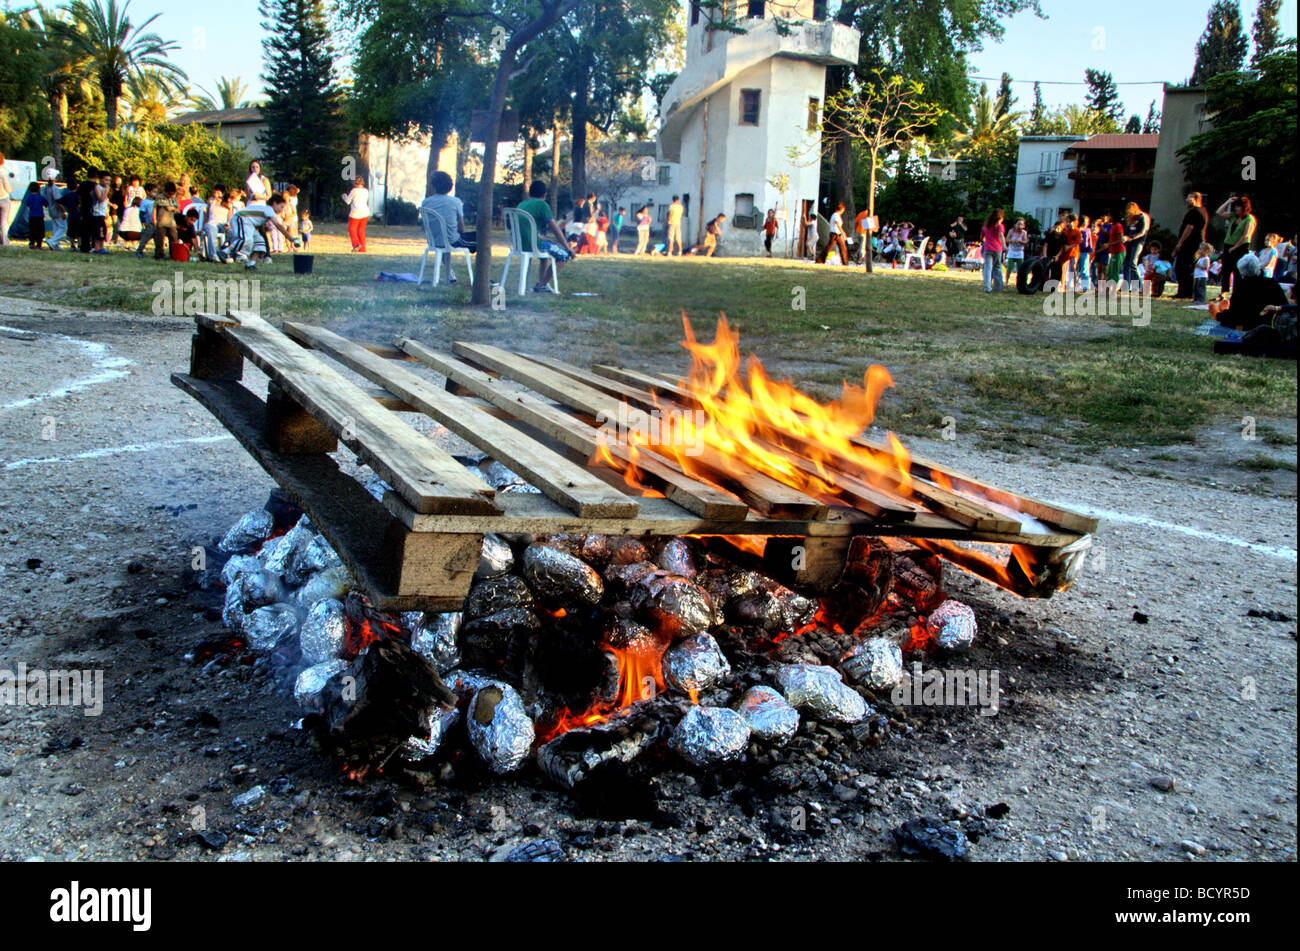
[437, 242]
[918, 254]
[527, 253]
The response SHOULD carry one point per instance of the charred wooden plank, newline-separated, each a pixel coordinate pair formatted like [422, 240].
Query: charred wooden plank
[693, 495]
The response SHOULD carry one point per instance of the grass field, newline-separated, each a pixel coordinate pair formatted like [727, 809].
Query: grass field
[996, 363]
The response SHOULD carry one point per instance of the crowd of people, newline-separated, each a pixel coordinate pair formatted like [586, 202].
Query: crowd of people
[246, 223]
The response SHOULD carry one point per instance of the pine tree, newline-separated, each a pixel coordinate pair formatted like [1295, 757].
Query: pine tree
[1222, 47]
[304, 135]
[1005, 100]
[1134, 125]
[1038, 114]
[1152, 123]
[1265, 31]
[1103, 96]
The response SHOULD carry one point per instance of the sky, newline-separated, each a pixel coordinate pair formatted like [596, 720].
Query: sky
[1145, 42]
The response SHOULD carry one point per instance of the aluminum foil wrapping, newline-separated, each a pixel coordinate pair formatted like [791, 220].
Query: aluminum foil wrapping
[876, 663]
[769, 715]
[494, 595]
[270, 626]
[499, 729]
[323, 632]
[594, 550]
[251, 530]
[331, 583]
[260, 587]
[307, 688]
[709, 735]
[440, 721]
[624, 550]
[695, 663]
[434, 637]
[952, 625]
[629, 635]
[673, 605]
[570, 757]
[236, 566]
[559, 577]
[463, 683]
[820, 692]
[232, 611]
[676, 557]
[498, 476]
[284, 561]
[318, 556]
[376, 486]
[773, 608]
[496, 559]
[628, 575]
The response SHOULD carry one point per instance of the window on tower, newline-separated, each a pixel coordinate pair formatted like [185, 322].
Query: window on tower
[749, 101]
[755, 11]
[819, 9]
[695, 12]
[814, 113]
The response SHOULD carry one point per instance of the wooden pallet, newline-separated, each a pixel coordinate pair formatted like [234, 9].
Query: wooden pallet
[419, 546]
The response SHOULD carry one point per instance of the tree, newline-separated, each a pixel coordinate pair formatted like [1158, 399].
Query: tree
[1038, 113]
[164, 154]
[1250, 143]
[113, 49]
[987, 128]
[1152, 122]
[418, 68]
[61, 71]
[1134, 124]
[304, 134]
[520, 27]
[149, 99]
[1103, 99]
[1222, 47]
[231, 93]
[1005, 99]
[887, 112]
[1265, 31]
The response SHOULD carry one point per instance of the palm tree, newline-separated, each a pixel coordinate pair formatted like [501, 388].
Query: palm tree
[985, 129]
[1080, 120]
[62, 69]
[116, 50]
[149, 98]
[231, 93]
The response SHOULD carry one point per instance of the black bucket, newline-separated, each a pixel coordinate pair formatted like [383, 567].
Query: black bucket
[302, 263]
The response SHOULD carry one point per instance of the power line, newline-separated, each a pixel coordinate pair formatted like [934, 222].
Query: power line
[1062, 82]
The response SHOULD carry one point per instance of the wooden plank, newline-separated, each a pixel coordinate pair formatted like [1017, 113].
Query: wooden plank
[763, 493]
[646, 382]
[429, 479]
[212, 357]
[571, 485]
[398, 569]
[629, 393]
[693, 495]
[291, 429]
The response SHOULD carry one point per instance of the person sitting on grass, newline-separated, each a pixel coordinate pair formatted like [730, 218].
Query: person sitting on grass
[1156, 270]
[248, 231]
[537, 215]
[1251, 293]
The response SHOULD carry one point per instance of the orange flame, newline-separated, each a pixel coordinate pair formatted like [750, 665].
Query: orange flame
[640, 677]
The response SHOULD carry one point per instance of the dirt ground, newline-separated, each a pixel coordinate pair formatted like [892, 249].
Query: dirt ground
[1117, 738]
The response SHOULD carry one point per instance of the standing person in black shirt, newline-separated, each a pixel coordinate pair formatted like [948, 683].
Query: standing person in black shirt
[1190, 235]
[85, 205]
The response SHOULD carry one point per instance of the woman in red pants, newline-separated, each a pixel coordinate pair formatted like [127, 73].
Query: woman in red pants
[358, 202]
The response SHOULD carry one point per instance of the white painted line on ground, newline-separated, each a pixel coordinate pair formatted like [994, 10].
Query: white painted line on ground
[115, 450]
[109, 367]
[1286, 554]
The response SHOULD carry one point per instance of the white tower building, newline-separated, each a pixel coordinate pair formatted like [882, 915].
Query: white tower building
[742, 101]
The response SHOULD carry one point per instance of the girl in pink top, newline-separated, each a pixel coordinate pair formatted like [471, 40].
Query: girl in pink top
[993, 239]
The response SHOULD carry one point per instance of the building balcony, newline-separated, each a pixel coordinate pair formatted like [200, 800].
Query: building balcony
[825, 42]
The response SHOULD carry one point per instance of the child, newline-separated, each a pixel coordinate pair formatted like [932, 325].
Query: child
[602, 233]
[34, 202]
[1155, 270]
[304, 229]
[1201, 272]
[131, 227]
[1017, 238]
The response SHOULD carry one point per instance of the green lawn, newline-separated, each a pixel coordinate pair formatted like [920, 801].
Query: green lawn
[995, 362]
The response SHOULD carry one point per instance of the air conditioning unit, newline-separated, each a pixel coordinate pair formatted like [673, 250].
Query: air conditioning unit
[1047, 180]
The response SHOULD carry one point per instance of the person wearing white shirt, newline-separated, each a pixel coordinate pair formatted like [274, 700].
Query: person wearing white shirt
[247, 240]
[257, 184]
[358, 202]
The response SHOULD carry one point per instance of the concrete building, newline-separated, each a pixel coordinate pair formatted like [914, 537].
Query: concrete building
[1182, 116]
[741, 104]
[1113, 168]
[1044, 188]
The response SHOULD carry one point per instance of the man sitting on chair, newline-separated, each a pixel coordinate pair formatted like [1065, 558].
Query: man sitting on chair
[538, 213]
[451, 212]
